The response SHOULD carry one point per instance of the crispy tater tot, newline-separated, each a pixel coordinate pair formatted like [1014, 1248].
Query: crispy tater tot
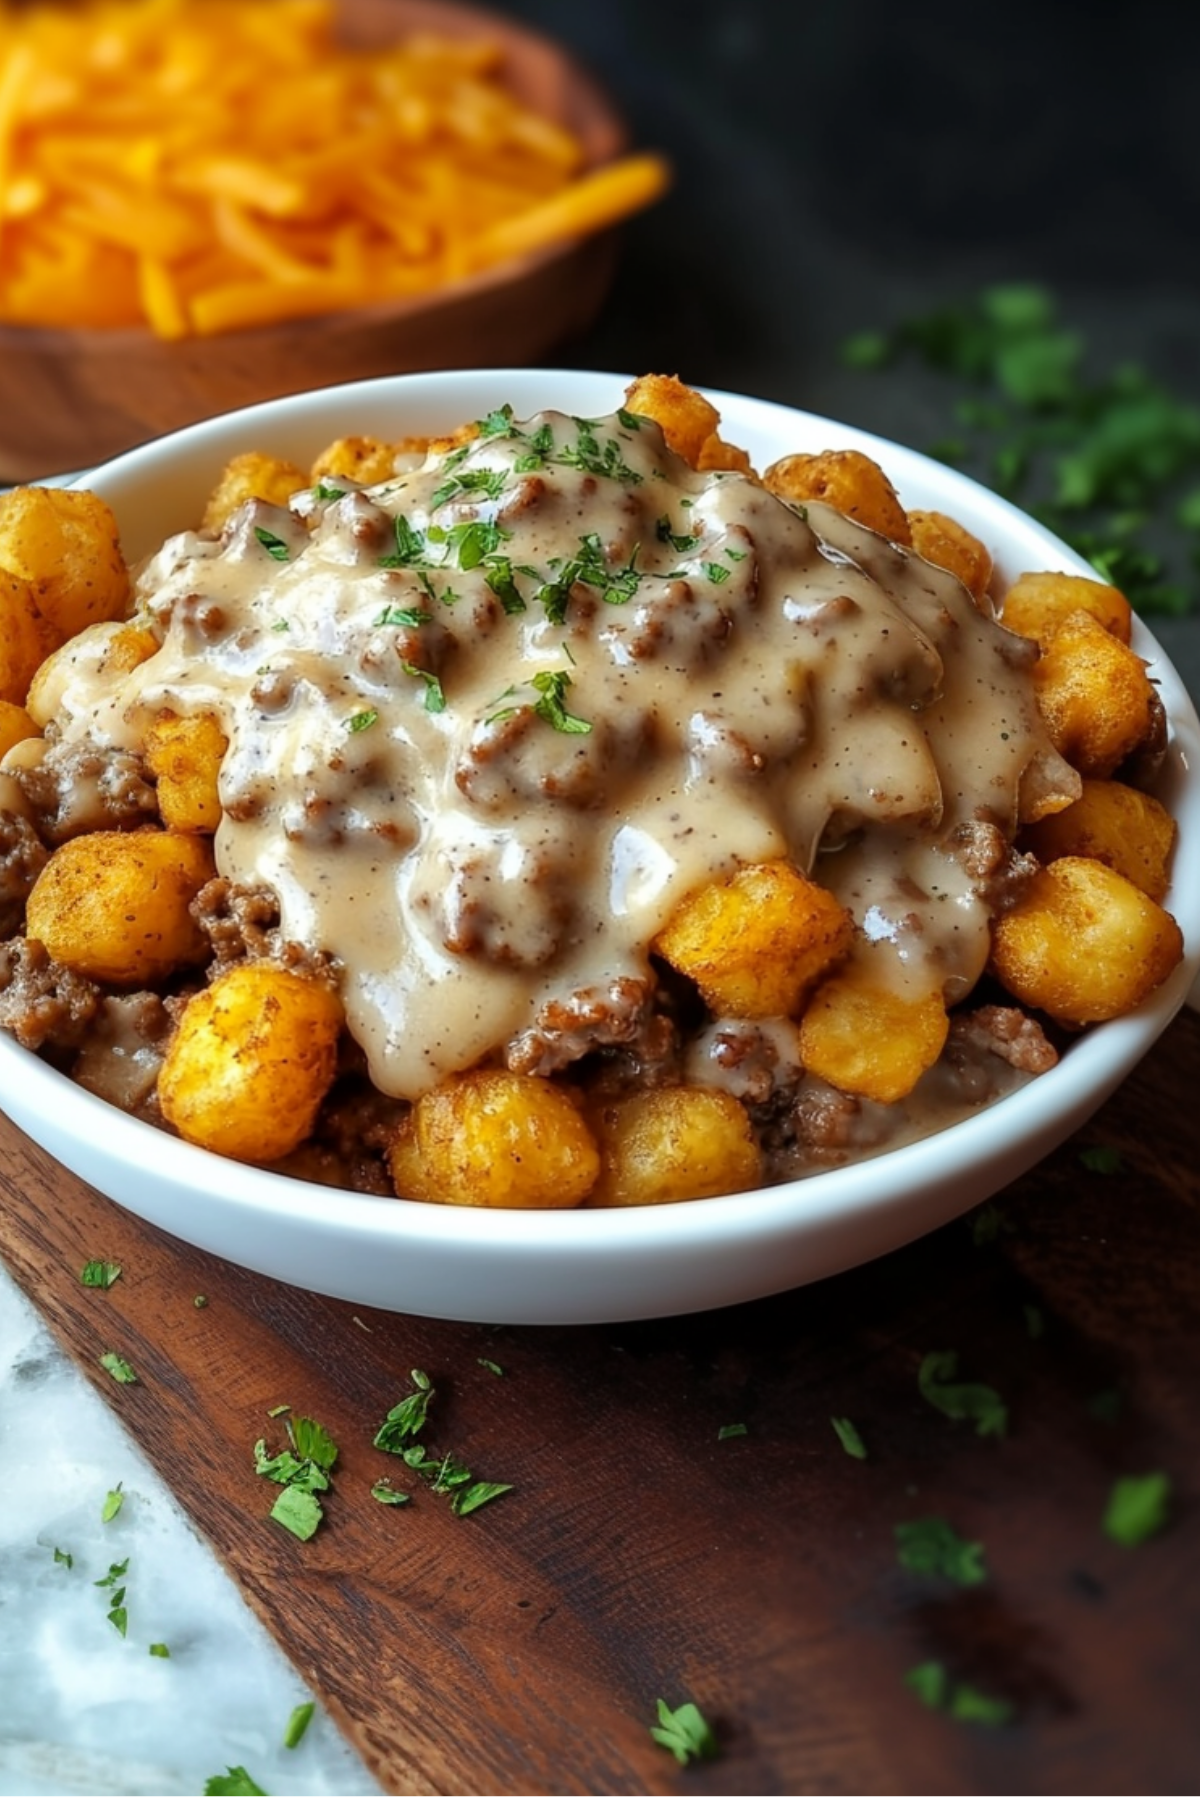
[948, 544]
[847, 480]
[252, 476]
[497, 1139]
[1037, 604]
[687, 420]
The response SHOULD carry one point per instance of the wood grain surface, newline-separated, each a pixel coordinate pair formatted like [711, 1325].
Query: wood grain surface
[522, 1648]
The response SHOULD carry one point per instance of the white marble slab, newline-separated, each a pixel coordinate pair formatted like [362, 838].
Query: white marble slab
[83, 1710]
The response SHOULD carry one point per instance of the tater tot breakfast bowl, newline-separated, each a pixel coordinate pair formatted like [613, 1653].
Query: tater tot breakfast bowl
[592, 1263]
[233, 274]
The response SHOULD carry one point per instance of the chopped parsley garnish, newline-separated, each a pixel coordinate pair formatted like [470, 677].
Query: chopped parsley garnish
[595, 457]
[402, 617]
[362, 721]
[498, 424]
[934, 1687]
[200, 1302]
[469, 482]
[410, 545]
[384, 1493]
[112, 1504]
[931, 1545]
[716, 572]
[118, 1614]
[961, 1400]
[551, 685]
[235, 1782]
[685, 1733]
[274, 545]
[116, 1573]
[492, 1367]
[119, 1368]
[1099, 1159]
[325, 492]
[731, 1429]
[435, 695]
[99, 1273]
[298, 1511]
[849, 1438]
[302, 1471]
[1110, 463]
[498, 573]
[1137, 1508]
[160, 1651]
[63, 1559]
[407, 1419]
[297, 1723]
[988, 1224]
[678, 540]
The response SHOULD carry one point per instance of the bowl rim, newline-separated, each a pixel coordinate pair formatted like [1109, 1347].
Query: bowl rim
[516, 1241]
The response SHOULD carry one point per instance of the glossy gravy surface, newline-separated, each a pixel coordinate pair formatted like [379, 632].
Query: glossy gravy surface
[490, 721]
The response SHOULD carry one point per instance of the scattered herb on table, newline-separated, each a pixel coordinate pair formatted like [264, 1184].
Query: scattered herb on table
[397, 1435]
[63, 1559]
[302, 1470]
[1099, 1159]
[934, 1687]
[113, 1584]
[235, 1782]
[988, 1225]
[160, 1651]
[848, 1435]
[931, 1545]
[961, 1399]
[112, 1504]
[99, 1273]
[119, 1368]
[297, 1723]
[685, 1733]
[1137, 1508]
[1110, 462]
[492, 1367]
[384, 1493]
[731, 1429]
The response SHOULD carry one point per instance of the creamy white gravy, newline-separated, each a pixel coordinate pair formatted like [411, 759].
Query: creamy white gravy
[490, 721]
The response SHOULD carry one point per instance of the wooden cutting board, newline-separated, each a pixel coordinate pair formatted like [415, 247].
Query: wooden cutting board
[642, 1554]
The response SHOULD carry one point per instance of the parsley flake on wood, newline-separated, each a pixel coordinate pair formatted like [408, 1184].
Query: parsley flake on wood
[407, 1419]
[934, 1687]
[297, 1723]
[931, 1545]
[302, 1471]
[235, 1782]
[685, 1733]
[1100, 1159]
[731, 1429]
[849, 1438]
[1137, 1508]
[299, 1511]
[384, 1493]
[99, 1273]
[965, 1400]
[119, 1368]
[445, 1473]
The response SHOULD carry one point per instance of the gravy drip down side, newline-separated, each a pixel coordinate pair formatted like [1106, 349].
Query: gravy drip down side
[491, 721]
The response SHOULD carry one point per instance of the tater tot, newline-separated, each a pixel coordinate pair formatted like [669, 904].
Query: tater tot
[252, 1058]
[1083, 943]
[1094, 695]
[15, 725]
[687, 420]
[755, 943]
[25, 638]
[65, 543]
[950, 545]
[113, 905]
[868, 1040]
[1112, 823]
[846, 480]
[184, 755]
[252, 475]
[1037, 604]
[676, 1142]
[492, 1138]
[366, 460]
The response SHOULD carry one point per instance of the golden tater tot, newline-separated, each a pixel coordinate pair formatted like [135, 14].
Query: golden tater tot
[755, 943]
[110, 648]
[15, 725]
[252, 475]
[950, 545]
[715, 453]
[1083, 943]
[685, 417]
[66, 545]
[1120, 826]
[672, 1143]
[25, 638]
[868, 1040]
[367, 460]
[114, 904]
[846, 480]
[1094, 695]
[184, 755]
[251, 1060]
[493, 1138]
[1037, 604]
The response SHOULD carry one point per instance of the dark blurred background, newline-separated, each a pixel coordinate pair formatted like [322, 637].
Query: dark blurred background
[845, 167]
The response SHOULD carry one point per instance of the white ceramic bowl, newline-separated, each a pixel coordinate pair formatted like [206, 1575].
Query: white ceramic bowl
[605, 1265]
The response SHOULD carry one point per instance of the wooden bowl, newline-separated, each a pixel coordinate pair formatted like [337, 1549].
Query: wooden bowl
[72, 398]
